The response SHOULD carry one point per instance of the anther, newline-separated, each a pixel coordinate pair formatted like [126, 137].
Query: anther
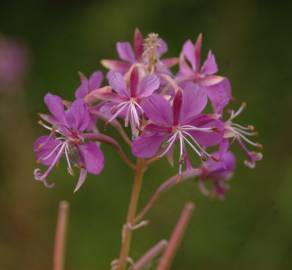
[204, 157]
[260, 146]
[214, 158]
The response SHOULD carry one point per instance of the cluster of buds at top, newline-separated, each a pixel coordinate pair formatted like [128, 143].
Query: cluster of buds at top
[163, 110]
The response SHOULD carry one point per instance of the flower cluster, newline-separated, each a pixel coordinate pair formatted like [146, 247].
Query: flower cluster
[168, 114]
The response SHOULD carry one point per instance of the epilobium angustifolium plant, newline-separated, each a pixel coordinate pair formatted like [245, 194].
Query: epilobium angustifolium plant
[179, 116]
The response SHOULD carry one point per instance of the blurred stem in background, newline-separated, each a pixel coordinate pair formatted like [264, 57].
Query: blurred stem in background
[60, 237]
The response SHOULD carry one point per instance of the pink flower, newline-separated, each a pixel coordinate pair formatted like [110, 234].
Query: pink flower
[191, 72]
[67, 139]
[182, 122]
[146, 53]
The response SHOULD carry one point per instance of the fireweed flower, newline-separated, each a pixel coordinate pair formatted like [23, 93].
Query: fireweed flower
[126, 99]
[67, 139]
[218, 172]
[182, 122]
[146, 54]
[240, 134]
[217, 88]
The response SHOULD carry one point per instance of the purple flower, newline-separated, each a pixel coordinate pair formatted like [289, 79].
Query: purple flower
[217, 88]
[67, 139]
[218, 172]
[240, 134]
[146, 53]
[182, 122]
[126, 98]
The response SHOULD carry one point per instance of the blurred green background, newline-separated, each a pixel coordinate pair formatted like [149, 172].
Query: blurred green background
[250, 229]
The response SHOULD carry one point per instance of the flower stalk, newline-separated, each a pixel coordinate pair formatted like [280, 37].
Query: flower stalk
[128, 227]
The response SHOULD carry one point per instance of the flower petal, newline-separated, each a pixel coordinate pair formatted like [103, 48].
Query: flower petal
[148, 85]
[104, 93]
[92, 157]
[55, 106]
[176, 107]
[209, 67]
[220, 95]
[95, 80]
[158, 110]
[189, 53]
[116, 65]
[162, 47]
[82, 90]
[134, 80]
[125, 51]
[198, 47]
[170, 62]
[207, 138]
[78, 116]
[46, 149]
[81, 180]
[147, 146]
[138, 43]
[194, 101]
[118, 83]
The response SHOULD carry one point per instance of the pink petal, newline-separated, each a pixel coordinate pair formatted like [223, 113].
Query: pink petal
[209, 67]
[81, 180]
[46, 149]
[147, 146]
[184, 68]
[104, 93]
[194, 101]
[138, 43]
[207, 138]
[55, 106]
[82, 90]
[162, 47]
[148, 85]
[170, 62]
[95, 80]
[211, 80]
[198, 47]
[134, 80]
[220, 95]
[158, 110]
[176, 107]
[118, 83]
[189, 53]
[116, 65]
[78, 116]
[125, 51]
[92, 157]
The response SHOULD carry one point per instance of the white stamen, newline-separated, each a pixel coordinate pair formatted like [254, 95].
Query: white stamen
[52, 152]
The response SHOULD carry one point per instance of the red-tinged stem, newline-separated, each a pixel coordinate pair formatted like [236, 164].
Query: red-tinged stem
[150, 254]
[174, 180]
[176, 237]
[60, 237]
[128, 227]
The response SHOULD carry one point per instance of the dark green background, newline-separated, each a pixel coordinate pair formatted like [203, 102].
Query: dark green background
[250, 229]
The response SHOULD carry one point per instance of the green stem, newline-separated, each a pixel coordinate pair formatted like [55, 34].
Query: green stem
[127, 230]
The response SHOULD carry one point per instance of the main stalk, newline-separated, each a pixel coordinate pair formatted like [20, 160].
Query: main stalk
[128, 227]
